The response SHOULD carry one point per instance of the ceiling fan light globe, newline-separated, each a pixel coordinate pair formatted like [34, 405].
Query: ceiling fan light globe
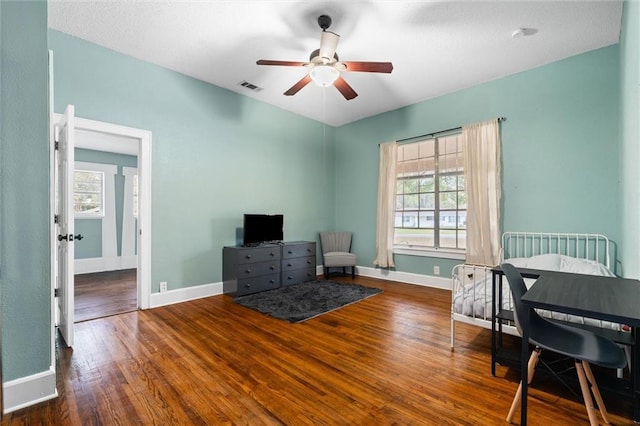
[324, 75]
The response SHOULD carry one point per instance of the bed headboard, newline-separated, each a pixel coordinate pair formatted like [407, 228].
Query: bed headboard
[582, 246]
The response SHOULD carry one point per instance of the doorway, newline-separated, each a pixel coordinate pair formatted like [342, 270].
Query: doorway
[105, 218]
[130, 254]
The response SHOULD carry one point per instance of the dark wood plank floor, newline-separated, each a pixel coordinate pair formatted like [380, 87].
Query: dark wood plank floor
[103, 294]
[385, 360]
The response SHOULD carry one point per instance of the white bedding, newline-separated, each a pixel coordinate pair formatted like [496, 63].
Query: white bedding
[475, 299]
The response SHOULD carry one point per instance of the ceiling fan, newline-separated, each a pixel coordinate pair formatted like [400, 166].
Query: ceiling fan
[325, 66]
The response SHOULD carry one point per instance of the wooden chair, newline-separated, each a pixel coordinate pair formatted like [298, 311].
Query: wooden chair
[336, 252]
[583, 346]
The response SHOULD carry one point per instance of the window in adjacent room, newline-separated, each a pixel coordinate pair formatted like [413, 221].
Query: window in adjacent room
[88, 193]
[431, 203]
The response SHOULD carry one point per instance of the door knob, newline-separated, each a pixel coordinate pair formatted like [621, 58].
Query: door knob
[69, 237]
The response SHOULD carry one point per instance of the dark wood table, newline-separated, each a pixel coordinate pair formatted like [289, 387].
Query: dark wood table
[607, 298]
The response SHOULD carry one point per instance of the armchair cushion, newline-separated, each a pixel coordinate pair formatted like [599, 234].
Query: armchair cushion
[339, 259]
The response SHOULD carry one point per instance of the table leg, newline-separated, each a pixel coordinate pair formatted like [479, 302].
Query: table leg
[635, 375]
[493, 324]
[524, 323]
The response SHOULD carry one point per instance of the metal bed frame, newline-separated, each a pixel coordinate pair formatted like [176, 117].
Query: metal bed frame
[594, 247]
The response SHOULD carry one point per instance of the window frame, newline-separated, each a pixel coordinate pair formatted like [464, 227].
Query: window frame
[109, 171]
[436, 251]
[89, 214]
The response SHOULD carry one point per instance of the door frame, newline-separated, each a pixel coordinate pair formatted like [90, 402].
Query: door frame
[143, 138]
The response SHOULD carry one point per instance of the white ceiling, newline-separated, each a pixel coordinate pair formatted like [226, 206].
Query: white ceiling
[436, 47]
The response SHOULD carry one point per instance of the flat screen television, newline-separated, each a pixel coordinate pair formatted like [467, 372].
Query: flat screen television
[262, 228]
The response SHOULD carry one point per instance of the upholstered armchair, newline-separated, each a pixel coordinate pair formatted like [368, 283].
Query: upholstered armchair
[336, 252]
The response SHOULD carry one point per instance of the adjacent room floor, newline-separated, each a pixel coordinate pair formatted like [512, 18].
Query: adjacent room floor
[103, 294]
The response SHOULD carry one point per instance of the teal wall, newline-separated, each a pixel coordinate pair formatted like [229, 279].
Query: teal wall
[559, 151]
[215, 156]
[630, 138]
[91, 229]
[24, 191]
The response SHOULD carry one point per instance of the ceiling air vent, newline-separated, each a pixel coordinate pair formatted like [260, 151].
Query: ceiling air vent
[250, 86]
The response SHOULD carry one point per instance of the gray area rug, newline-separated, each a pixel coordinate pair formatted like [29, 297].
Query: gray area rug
[299, 302]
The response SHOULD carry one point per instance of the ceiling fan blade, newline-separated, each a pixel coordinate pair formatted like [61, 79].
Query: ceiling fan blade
[328, 44]
[281, 63]
[299, 85]
[344, 88]
[385, 67]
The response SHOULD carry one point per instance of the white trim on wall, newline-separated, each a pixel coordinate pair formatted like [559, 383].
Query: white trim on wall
[101, 264]
[185, 294]
[405, 277]
[29, 390]
[207, 290]
[128, 245]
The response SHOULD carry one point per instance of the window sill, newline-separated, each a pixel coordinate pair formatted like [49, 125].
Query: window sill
[442, 253]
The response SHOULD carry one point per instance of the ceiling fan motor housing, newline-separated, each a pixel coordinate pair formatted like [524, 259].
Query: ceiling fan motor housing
[315, 57]
[324, 21]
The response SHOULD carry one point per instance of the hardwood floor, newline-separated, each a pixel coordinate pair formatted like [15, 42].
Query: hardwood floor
[102, 294]
[385, 360]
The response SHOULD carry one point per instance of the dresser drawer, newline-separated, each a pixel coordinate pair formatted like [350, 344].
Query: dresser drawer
[261, 283]
[299, 276]
[259, 254]
[298, 250]
[298, 263]
[249, 270]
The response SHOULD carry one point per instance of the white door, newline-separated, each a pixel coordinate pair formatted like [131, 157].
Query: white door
[64, 163]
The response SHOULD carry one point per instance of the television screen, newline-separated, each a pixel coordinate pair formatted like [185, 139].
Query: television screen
[262, 228]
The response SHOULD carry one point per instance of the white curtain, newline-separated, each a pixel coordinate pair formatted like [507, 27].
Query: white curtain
[386, 205]
[481, 145]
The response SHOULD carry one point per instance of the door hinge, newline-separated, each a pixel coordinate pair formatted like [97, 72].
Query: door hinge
[56, 218]
[56, 146]
[56, 292]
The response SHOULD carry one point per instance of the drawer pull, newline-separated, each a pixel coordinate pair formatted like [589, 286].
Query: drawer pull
[271, 281]
[272, 254]
[272, 267]
[248, 271]
[248, 256]
[247, 285]
[290, 252]
[288, 264]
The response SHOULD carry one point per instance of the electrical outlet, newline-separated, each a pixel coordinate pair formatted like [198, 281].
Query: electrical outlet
[163, 286]
[436, 270]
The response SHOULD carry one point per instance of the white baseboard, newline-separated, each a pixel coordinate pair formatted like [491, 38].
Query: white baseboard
[206, 290]
[183, 294]
[405, 277]
[102, 264]
[30, 390]
[128, 262]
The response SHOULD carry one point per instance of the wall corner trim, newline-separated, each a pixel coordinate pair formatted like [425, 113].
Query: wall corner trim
[29, 390]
